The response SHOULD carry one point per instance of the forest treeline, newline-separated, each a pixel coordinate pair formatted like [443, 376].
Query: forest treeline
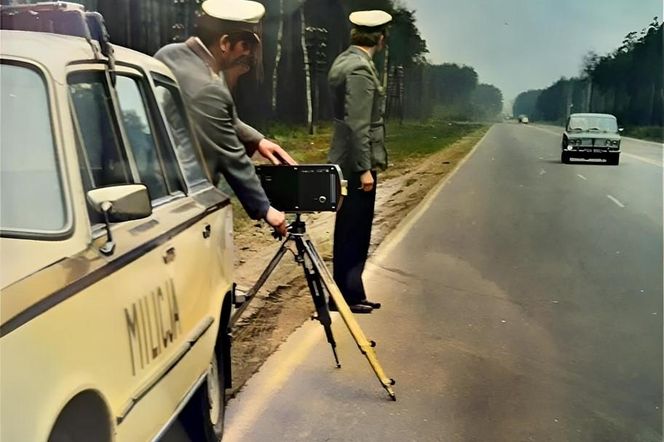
[628, 82]
[301, 39]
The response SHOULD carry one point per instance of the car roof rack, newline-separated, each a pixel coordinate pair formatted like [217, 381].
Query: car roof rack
[63, 18]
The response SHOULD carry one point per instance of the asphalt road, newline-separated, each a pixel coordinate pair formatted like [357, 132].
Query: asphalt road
[522, 303]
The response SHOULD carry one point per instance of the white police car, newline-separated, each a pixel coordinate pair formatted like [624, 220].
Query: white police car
[116, 251]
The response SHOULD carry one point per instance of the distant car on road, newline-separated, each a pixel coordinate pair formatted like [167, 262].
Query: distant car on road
[522, 119]
[589, 136]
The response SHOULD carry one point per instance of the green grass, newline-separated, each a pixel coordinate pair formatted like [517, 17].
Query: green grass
[411, 140]
[305, 148]
[417, 140]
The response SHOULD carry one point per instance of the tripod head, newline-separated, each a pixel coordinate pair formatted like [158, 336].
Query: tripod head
[297, 227]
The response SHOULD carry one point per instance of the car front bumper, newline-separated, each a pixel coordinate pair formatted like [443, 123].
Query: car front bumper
[591, 152]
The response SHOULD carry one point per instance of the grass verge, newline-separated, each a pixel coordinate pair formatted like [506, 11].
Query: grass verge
[650, 133]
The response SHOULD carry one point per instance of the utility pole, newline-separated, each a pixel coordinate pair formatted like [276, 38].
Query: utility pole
[316, 46]
[395, 93]
[401, 84]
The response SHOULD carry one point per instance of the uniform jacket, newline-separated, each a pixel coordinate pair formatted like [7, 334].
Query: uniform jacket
[226, 141]
[358, 101]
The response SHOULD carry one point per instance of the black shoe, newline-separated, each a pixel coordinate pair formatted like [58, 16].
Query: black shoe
[360, 308]
[355, 308]
[373, 305]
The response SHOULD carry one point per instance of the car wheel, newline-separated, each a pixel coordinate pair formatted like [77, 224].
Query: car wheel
[564, 158]
[203, 416]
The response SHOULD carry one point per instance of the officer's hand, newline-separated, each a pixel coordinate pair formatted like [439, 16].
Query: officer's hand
[275, 153]
[277, 220]
[367, 181]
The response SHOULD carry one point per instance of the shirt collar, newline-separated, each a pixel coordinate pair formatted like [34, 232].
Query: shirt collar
[200, 43]
[198, 48]
[361, 50]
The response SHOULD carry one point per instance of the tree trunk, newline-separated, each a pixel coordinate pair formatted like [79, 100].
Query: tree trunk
[277, 58]
[307, 73]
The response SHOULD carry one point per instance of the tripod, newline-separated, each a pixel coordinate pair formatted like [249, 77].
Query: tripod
[318, 276]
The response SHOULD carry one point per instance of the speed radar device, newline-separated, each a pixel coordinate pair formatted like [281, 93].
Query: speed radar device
[303, 188]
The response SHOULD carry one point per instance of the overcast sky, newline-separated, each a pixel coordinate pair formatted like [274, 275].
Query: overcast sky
[518, 45]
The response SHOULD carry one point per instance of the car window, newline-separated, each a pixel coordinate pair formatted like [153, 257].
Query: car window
[102, 162]
[607, 124]
[31, 195]
[149, 161]
[172, 107]
[590, 122]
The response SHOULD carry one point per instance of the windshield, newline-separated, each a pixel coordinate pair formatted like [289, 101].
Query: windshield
[593, 123]
[31, 198]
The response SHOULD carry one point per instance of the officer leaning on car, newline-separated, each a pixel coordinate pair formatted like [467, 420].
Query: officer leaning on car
[226, 39]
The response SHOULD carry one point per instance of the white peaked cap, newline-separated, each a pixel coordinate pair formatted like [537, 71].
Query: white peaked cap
[245, 11]
[369, 19]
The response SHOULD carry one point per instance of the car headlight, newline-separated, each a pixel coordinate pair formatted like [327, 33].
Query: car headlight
[612, 143]
[574, 141]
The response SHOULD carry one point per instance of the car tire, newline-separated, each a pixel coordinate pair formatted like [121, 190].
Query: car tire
[203, 416]
[564, 158]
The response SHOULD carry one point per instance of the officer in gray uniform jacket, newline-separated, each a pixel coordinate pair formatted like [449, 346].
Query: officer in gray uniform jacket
[358, 146]
[226, 39]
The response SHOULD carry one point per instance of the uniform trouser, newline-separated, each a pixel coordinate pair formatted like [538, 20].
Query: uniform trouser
[352, 235]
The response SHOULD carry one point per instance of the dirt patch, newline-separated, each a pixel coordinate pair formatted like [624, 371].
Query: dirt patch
[284, 303]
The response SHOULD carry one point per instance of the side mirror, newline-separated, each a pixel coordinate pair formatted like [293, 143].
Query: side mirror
[124, 202]
[620, 129]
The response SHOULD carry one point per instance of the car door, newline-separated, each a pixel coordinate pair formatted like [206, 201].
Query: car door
[195, 215]
[155, 315]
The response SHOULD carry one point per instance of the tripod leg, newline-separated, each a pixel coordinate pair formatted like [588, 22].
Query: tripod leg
[318, 296]
[365, 346]
[261, 280]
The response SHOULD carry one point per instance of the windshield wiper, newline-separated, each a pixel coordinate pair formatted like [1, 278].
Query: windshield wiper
[576, 129]
[593, 128]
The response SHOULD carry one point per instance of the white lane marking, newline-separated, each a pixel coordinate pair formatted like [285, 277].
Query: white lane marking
[542, 172]
[615, 200]
[396, 236]
[645, 160]
[241, 416]
[582, 177]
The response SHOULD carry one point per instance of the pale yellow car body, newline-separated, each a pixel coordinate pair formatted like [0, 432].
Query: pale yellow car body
[134, 331]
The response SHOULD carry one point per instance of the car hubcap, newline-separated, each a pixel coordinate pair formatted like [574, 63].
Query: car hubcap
[214, 391]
